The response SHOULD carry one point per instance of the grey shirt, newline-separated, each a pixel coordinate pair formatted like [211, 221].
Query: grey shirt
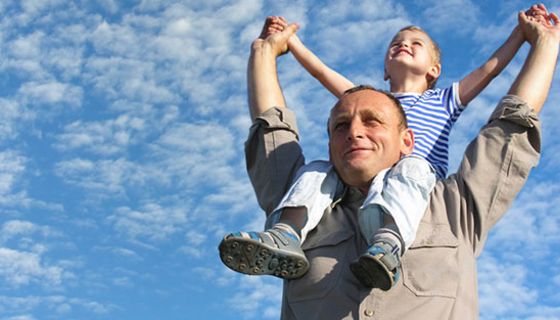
[439, 277]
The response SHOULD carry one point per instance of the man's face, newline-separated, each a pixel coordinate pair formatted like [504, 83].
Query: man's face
[365, 137]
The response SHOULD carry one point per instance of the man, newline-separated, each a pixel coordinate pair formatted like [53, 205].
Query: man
[439, 279]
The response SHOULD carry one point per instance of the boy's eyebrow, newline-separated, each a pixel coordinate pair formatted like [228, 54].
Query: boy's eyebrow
[413, 39]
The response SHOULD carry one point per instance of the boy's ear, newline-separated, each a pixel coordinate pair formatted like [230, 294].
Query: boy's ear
[434, 72]
[385, 75]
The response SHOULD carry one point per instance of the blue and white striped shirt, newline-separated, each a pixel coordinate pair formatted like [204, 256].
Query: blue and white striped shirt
[431, 116]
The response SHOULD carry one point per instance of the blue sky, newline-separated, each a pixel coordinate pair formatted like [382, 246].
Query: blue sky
[121, 163]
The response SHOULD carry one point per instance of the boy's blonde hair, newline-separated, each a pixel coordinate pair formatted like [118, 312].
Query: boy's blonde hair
[436, 51]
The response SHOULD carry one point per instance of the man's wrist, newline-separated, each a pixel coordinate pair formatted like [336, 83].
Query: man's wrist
[263, 48]
[547, 41]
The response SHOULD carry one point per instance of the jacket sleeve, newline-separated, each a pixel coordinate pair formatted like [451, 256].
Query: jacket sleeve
[273, 155]
[495, 167]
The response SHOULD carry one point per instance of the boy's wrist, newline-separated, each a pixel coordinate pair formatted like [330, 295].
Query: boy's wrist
[517, 34]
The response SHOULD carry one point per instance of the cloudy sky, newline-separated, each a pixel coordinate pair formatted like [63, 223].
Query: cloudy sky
[121, 163]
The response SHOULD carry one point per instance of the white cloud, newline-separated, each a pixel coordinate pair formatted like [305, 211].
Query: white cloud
[12, 165]
[12, 116]
[106, 177]
[365, 27]
[19, 268]
[152, 222]
[19, 306]
[502, 288]
[102, 137]
[460, 16]
[255, 296]
[19, 228]
[535, 210]
[109, 5]
[51, 93]
[28, 46]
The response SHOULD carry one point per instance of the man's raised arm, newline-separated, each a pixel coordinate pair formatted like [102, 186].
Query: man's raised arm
[263, 86]
[497, 163]
[534, 80]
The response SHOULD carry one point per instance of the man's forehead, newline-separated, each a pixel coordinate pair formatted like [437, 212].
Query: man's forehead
[363, 103]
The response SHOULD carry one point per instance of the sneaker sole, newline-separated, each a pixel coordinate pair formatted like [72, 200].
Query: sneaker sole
[253, 257]
[372, 273]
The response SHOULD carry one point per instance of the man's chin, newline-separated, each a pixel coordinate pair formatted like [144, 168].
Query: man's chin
[360, 172]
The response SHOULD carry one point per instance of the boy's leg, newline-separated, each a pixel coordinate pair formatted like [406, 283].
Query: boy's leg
[390, 218]
[277, 251]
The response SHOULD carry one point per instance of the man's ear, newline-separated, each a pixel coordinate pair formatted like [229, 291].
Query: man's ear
[407, 141]
[385, 75]
[434, 72]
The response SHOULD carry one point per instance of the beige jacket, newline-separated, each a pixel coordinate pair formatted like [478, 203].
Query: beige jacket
[439, 277]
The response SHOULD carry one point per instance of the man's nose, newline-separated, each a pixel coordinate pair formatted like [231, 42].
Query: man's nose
[356, 130]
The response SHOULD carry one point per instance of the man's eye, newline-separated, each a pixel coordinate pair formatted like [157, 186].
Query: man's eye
[340, 125]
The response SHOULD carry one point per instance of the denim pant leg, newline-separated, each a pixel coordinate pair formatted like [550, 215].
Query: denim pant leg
[402, 193]
[314, 188]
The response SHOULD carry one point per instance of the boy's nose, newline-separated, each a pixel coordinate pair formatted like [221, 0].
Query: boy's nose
[403, 44]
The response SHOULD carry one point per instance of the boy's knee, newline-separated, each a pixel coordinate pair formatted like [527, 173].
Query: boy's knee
[413, 167]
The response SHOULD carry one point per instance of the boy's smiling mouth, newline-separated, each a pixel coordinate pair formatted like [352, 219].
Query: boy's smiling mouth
[402, 51]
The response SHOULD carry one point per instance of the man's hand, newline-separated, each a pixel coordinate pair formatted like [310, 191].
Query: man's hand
[539, 12]
[263, 87]
[542, 31]
[275, 34]
[536, 23]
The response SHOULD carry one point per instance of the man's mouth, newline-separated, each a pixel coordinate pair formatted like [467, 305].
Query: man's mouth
[355, 150]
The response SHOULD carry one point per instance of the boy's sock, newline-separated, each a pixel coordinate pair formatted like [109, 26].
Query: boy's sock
[288, 230]
[379, 266]
[388, 234]
[293, 220]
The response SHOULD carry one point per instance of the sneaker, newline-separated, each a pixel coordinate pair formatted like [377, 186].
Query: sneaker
[272, 252]
[378, 267]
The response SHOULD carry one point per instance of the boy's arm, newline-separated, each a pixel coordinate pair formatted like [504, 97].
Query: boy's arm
[330, 79]
[534, 80]
[471, 85]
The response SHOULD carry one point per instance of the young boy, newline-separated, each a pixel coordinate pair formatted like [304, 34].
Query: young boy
[398, 196]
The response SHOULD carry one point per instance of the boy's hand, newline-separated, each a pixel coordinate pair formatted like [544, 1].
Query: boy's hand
[273, 24]
[275, 35]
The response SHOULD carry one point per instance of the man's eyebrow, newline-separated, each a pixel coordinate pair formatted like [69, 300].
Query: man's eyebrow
[341, 116]
[371, 114]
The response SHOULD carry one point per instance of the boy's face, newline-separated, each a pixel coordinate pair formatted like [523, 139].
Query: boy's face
[411, 51]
